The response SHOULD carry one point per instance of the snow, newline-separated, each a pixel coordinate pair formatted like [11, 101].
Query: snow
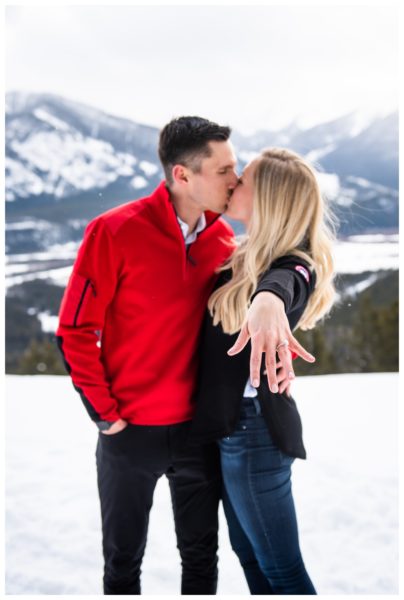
[361, 286]
[68, 162]
[365, 183]
[77, 223]
[58, 276]
[148, 168]
[360, 181]
[49, 323]
[375, 238]
[333, 191]
[315, 155]
[345, 195]
[20, 181]
[44, 115]
[15, 269]
[29, 224]
[329, 185]
[346, 493]
[55, 251]
[356, 256]
[138, 182]
[362, 119]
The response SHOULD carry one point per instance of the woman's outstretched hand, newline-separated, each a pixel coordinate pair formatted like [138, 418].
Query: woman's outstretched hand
[268, 328]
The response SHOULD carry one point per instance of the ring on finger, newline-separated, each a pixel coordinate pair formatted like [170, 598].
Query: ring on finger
[282, 343]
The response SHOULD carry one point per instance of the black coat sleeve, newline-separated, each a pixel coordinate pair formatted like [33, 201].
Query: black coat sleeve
[291, 279]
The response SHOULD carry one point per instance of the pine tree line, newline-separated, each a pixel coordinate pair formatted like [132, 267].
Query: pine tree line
[368, 342]
[360, 335]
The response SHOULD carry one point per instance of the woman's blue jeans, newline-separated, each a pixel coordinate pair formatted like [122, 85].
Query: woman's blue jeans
[259, 507]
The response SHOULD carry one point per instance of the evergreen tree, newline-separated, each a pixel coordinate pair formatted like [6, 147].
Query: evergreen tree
[387, 350]
[316, 342]
[375, 336]
[41, 357]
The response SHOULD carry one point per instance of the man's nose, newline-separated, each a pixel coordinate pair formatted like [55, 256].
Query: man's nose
[234, 181]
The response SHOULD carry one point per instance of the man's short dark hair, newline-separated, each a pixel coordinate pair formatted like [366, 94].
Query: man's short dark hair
[185, 141]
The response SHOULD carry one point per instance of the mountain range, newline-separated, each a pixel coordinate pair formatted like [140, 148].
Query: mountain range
[67, 162]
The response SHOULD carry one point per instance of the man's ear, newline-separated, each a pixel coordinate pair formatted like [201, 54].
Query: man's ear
[180, 174]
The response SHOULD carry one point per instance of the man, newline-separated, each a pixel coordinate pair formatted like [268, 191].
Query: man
[129, 326]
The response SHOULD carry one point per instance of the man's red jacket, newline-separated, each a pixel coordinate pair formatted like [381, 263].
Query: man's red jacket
[131, 314]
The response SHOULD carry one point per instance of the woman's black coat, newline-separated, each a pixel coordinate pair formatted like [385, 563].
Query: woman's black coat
[222, 378]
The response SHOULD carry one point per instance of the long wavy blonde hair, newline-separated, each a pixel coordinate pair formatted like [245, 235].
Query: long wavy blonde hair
[289, 216]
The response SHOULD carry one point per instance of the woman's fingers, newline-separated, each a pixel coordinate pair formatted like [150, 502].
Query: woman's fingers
[270, 361]
[287, 390]
[272, 344]
[285, 359]
[281, 376]
[257, 348]
[240, 342]
[282, 379]
[298, 348]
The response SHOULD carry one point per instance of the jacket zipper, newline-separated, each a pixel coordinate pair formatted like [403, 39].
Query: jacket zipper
[186, 248]
[189, 258]
[83, 295]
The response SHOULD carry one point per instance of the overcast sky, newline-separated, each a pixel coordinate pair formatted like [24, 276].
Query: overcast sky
[251, 67]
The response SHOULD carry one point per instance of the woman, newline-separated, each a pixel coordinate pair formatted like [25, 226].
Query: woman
[260, 432]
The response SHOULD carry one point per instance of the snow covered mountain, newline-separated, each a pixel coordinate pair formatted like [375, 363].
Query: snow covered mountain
[67, 162]
[359, 144]
[58, 148]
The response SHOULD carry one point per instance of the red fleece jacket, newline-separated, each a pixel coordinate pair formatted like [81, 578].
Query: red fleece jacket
[132, 311]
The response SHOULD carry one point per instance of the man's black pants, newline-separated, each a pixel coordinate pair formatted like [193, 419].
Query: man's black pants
[129, 464]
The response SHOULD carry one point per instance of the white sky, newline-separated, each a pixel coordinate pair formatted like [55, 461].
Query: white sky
[251, 67]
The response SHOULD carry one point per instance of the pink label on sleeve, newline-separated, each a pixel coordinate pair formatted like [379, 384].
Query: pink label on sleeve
[303, 271]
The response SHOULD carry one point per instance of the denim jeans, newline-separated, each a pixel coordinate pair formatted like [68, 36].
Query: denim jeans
[259, 507]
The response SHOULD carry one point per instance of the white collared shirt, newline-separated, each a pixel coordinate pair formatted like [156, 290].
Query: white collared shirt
[249, 390]
[191, 237]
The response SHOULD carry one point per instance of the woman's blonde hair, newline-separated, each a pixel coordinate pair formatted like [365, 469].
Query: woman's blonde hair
[289, 216]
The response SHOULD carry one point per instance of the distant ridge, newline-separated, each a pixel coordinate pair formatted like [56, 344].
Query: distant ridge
[66, 162]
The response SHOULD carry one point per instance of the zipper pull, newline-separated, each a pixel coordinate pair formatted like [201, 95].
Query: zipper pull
[189, 257]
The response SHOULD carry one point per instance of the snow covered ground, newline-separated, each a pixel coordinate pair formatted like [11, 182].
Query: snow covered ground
[346, 492]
